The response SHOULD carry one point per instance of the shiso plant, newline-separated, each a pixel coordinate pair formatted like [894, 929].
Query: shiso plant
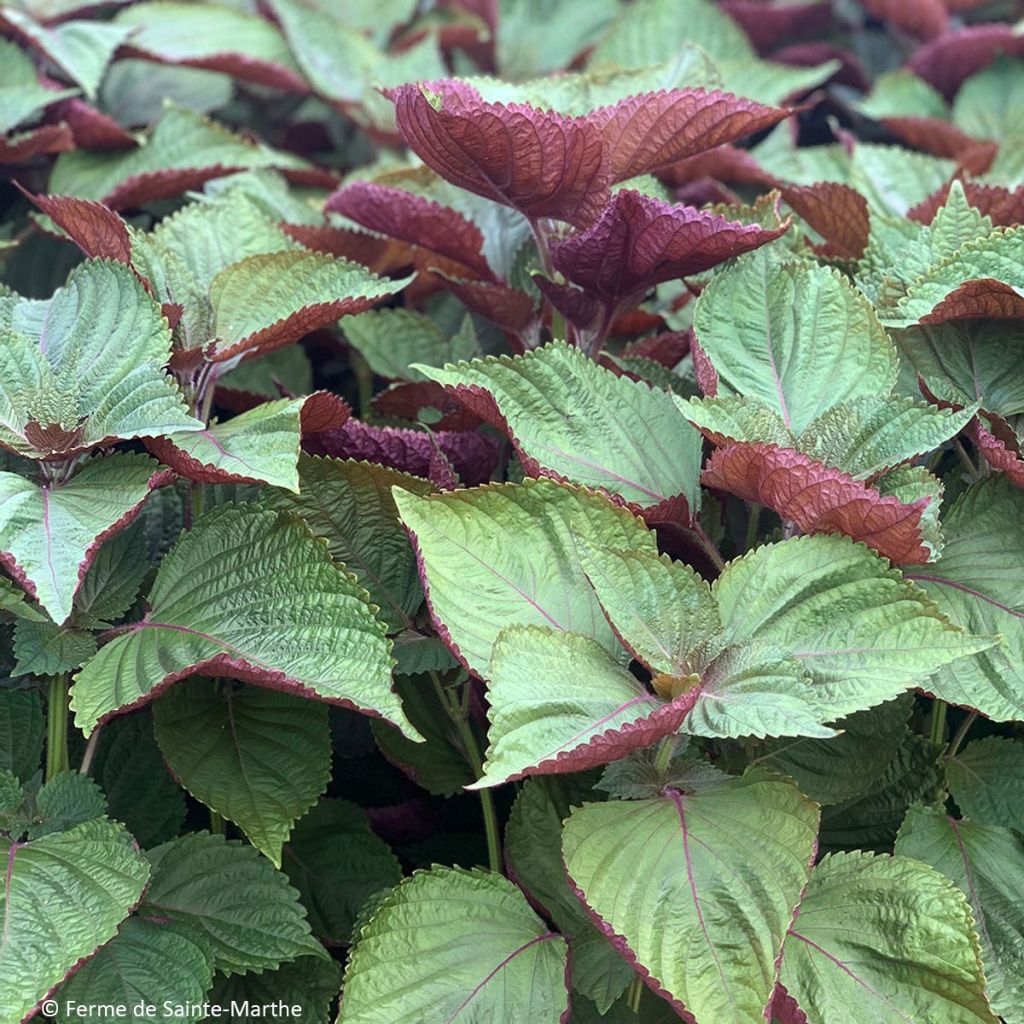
[512, 512]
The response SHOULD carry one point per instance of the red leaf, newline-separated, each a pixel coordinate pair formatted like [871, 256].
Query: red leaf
[506, 306]
[473, 456]
[983, 297]
[723, 163]
[999, 447]
[639, 241]
[923, 19]
[91, 128]
[381, 255]
[237, 65]
[783, 1008]
[93, 227]
[542, 163]
[1006, 208]
[704, 370]
[940, 138]
[405, 400]
[808, 55]
[819, 498]
[667, 348]
[652, 130]
[838, 213]
[768, 24]
[947, 61]
[50, 138]
[413, 219]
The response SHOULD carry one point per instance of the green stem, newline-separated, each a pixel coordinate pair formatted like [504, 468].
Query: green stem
[707, 545]
[664, 755]
[90, 751]
[753, 522]
[57, 727]
[196, 491]
[460, 718]
[636, 990]
[216, 823]
[961, 733]
[364, 383]
[972, 470]
[939, 709]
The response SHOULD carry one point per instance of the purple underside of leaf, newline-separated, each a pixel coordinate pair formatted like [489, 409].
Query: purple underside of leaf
[837, 212]
[947, 61]
[819, 498]
[539, 162]
[473, 456]
[767, 26]
[616, 742]
[999, 448]
[413, 219]
[91, 128]
[1004, 206]
[784, 1009]
[94, 228]
[506, 306]
[982, 298]
[226, 666]
[237, 65]
[50, 138]
[640, 241]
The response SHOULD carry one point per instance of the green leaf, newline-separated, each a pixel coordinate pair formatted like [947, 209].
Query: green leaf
[132, 773]
[114, 578]
[146, 962]
[533, 854]
[536, 40]
[699, 887]
[846, 765]
[182, 140]
[50, 531]
[573, 419]
[21, 94]
[43, 649]
[258, 757]
[530, 574]
[871, 819]
[986, 779]
[988, 104]
[559, 701]
[439, 766]
[484, 953]
[901, 93]
[230, 900]
[987, 864]
[416, 653]
[312, 633]
[349, 504]
[271, 299]
[910, 484]
[85, 367]
[862, 631]
[308, 983]
[81, 49]
[64, 895]
[337, 863]
[68, 799]
[976, 583]
[794, 336]
[13, 602]
[11, 798]
[735, 418]
[21, 731]
[884, 940]
[894, 179]
[392, 340]
[283, 371]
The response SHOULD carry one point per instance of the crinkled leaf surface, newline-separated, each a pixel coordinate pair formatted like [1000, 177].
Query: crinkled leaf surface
[987, 863]
[21, 731]
[560, 702]
[986, 779]
[43, 649]
[86, 366]
[311, 631]
[147, 961]
[64, 894]
[256, 756]
[337, 864]
[884, 940]
[470, 946]
[114, 578]
[570, 418]
[231, 900]
[49, 533]
[976, 583]
[308, 982]
[698, 888]
[505, 555]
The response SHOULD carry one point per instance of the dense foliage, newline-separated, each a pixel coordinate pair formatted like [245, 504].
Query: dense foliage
[512, 512]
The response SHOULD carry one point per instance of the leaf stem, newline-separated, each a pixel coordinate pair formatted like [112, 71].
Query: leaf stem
[961, 733]
[664, 756]
[972, 470]
[460, 717]
[90, 751]
[753, 522]
[216, 823]
[636, 990]
[57, 727]
[707, 545]
[938, 731]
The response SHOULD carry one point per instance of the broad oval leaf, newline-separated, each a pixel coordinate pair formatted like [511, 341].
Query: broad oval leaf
[50, 533]
[559, 702]
[986, 779]
[976, 583]
[231, 900]
[793, 335]
[211, 611]
[258, 757]
[85, 367]
[884, 940]
[987, 865]
[698, 888]
[531, 574]
[470, 945]
[309, 983]
[574, 420]
[64, 894]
